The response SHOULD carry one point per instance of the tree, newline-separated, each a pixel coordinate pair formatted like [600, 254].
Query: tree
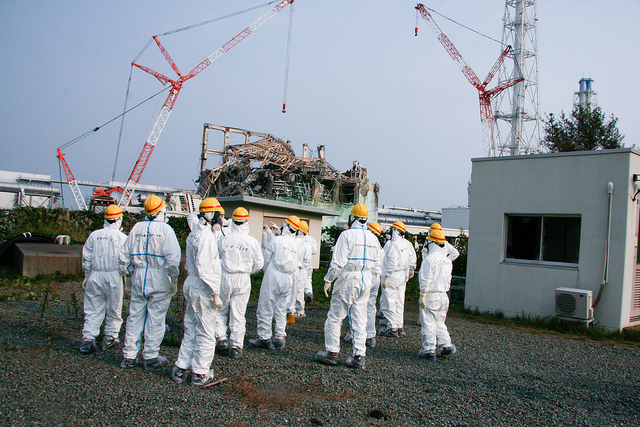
[586, 129]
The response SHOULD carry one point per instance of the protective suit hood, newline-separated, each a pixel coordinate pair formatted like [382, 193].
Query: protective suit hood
[242, 228]
[115, 225]
[395, 234]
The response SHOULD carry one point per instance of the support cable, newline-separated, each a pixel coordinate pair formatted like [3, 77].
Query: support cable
[458, 23]
[84, 135]
[286, 67]
[124, 109]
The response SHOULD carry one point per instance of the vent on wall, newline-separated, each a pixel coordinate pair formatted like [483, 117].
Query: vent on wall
[574, 303]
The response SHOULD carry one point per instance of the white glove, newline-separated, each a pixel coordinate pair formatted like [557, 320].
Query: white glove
[217, 301]
[174, 285]
[84, 282]
[327, 288]
[423, 300]
[385, 282]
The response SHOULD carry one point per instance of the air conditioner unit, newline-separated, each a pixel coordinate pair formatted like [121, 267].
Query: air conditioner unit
[574, 303]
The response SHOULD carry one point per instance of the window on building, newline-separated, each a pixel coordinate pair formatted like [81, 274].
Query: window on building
[543, 238]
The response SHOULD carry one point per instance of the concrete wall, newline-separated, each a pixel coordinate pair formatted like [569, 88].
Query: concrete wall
[555, 184]
[33, 259]
[260, 215]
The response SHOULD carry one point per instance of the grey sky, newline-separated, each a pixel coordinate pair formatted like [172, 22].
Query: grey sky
[359, 82]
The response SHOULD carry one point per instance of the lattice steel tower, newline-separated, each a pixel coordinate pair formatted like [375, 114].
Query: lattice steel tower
[517, 109]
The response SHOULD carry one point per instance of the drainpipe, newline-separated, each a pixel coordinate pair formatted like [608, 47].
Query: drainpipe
[605, 273]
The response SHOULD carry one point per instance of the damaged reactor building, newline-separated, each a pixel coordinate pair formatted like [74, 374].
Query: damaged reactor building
[265, 166]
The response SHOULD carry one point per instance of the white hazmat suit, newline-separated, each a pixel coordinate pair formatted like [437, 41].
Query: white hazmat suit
[435, 280]
[240, 256]
[356, 261]
[202, 283]
[280, 265]
[103, 288]
[313, 245]
[296, 306]
[399, 260]
[152, 252]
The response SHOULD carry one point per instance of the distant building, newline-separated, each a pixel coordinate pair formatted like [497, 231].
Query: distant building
[561, 220]
[418, 221]
[27, 189]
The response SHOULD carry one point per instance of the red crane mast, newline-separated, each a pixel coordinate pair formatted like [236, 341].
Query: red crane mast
[73, 184]
[176, 86]
[485, 95]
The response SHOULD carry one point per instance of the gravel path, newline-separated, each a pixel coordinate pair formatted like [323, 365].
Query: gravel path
[499, 377]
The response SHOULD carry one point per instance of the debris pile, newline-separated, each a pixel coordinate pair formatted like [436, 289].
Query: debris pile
[268, 168]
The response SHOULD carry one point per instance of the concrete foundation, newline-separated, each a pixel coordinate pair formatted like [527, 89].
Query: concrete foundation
[33, 259]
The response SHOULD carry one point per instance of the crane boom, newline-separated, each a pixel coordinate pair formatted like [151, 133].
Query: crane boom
[176, 86]
[485, 95]
[73, 184]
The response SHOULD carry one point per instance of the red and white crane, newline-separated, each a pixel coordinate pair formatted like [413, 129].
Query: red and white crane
[73, 184]
[486, 95]
[176, 86]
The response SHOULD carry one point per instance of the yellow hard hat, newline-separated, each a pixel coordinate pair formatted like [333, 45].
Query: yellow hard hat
[437, 236]
[304, 227]
[293, 221]
[153, 205]
[240, 214]
[360, 211]
[112, 212]
[210, 204]
[400, 226]
[375, 228]
[435, 226]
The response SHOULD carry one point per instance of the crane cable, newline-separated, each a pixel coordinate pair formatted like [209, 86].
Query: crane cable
[286, 67]
[457, 23]
[125, 110]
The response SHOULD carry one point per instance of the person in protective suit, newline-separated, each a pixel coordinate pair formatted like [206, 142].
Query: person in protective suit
[240, 256]
[435, 280]
[398, 267]
[356, 261]
[376, 229]
[296, 306]
[103, 283]
[152, 253]
[202, 296]
[452, 254]
[312, 243]
[281, 260]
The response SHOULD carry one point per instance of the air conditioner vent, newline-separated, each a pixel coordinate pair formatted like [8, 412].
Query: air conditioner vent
[565, 304]
[574, 303]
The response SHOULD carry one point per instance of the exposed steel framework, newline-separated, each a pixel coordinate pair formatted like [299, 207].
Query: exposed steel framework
[485, 95]
[176, 86]
[73, 184]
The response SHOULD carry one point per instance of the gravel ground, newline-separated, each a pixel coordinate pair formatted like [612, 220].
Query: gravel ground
[499, 377]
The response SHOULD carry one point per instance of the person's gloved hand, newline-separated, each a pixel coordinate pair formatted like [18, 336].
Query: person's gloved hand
[84, 282]
[385, 282]
[174, 285]
[327, 288]
[423, 300]
[217, 301]
[411, 272]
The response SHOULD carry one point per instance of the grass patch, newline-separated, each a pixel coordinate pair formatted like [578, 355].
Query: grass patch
[550, 325]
